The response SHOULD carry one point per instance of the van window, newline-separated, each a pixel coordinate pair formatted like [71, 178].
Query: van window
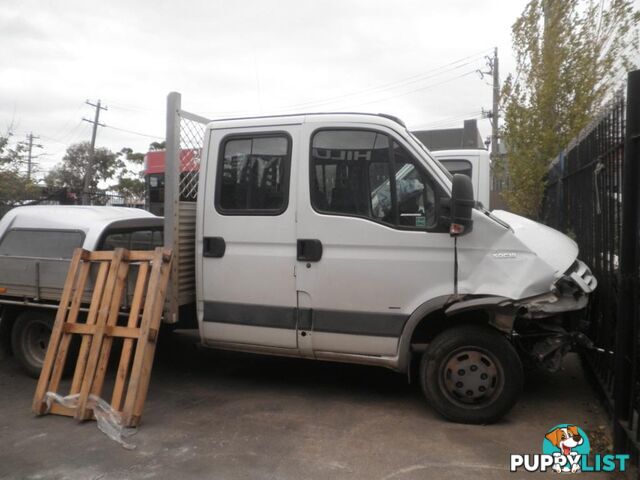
[41, 243]
[351, 172]
[253, 175]
[457, 166]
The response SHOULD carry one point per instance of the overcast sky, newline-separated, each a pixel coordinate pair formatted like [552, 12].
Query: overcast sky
[413, 59]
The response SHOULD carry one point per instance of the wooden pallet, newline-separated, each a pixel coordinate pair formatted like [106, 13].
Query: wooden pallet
[99, 327]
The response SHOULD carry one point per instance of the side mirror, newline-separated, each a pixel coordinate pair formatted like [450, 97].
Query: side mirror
[462, 203]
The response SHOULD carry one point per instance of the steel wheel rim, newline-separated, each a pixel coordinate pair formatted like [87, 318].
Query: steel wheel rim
[471, 377]
[36, 340]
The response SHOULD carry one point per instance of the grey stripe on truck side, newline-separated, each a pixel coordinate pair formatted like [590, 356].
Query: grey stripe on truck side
[254, 315]
[332, 321]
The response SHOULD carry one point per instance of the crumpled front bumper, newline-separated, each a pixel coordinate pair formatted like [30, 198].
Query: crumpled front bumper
[582, 276]
[569, 293]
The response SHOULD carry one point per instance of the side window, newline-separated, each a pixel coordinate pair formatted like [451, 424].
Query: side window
[116, 240]
[41, 243]
[253, 175]
[416, 196]
[357, 172]
[133, 240]
[457, 166]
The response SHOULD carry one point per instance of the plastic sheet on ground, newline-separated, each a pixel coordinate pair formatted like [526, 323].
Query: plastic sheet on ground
[109, 421]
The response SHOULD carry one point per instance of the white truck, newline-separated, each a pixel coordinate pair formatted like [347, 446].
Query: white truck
[474, 163]
[340, 237]
[36, 245]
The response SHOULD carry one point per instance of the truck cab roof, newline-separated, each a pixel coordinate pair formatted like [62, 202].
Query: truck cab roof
[272, 120]
[465, 152]
[91, 220]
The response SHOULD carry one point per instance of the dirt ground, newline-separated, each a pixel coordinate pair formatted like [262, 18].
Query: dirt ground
[213, 414]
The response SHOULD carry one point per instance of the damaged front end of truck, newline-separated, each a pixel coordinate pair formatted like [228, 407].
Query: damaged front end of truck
[533, 288]
[549, 326]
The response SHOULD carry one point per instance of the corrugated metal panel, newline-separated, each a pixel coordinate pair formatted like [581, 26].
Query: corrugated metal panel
[186, 253]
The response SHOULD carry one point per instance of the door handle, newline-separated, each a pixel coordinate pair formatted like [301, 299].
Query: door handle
[309, 250]
[213, 247]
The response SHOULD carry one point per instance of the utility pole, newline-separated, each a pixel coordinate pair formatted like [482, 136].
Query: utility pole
[89, 171]
[30, 145]
[495, 114]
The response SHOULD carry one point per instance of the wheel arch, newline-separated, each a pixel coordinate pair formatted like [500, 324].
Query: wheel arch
[438, 314]
[8, 316]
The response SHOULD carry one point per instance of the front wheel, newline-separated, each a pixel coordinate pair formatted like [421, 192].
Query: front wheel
[471, 374]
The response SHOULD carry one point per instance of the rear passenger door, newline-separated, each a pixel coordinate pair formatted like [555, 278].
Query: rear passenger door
[248, 249]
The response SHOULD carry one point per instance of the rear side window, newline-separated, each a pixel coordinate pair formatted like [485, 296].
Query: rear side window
[253, 175]
[133, 240]
[41, 243]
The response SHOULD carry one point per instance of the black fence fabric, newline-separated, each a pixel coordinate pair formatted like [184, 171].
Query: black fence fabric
[584, 199]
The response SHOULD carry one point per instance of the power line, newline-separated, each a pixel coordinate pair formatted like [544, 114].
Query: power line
[426, 87]
[132, 108]
[376, 89]
[392, 85]
[69, 120]
[155, 137]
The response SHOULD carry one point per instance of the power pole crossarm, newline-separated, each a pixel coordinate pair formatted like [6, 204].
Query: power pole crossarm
[89, 170]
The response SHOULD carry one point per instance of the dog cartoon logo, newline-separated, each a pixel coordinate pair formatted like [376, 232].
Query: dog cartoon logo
[566, 449]
[568, 441]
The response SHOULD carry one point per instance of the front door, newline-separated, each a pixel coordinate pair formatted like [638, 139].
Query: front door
[373, 246]
[249, 243]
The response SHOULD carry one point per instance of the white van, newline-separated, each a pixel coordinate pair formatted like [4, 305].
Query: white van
[339, 237]
[475, 164]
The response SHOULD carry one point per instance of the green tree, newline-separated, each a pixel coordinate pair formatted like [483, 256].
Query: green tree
[14, 184]
[131, 156]
[570, 56]
[130, 187]
[70, 172]
[155, 146]
[130, 183]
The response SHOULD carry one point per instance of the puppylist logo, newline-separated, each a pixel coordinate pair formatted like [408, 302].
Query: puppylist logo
[566, 449]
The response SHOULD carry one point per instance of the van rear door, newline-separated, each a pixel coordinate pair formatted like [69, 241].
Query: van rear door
[249, 250]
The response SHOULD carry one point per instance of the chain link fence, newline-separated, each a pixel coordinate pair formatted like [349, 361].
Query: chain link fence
[185, 138]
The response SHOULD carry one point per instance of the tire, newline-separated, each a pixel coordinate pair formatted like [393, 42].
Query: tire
[30, 339]
[478, 355]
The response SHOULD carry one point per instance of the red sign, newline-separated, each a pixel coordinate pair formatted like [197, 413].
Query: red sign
[154, 161]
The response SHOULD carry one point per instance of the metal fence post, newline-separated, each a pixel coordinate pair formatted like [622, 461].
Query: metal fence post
[627, 309]
[172, 193]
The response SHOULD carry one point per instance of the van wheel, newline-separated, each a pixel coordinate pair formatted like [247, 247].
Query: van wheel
[471, 374]
[30, 339]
